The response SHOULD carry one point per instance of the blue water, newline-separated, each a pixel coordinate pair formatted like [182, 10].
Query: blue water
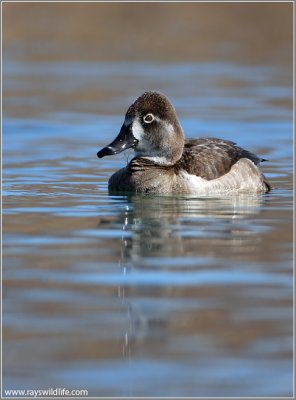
[140, 295]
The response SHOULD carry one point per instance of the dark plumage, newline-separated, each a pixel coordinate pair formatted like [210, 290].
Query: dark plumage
[211, 158]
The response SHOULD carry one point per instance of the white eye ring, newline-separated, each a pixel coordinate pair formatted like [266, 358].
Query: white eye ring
[148, 118]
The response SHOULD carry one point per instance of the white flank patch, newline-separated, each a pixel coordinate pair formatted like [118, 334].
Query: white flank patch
[244, 177]
[195, 184]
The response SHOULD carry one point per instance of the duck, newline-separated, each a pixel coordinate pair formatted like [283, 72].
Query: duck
[167, 164]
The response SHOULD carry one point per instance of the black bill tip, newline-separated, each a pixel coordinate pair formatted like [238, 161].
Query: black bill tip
[106, 151]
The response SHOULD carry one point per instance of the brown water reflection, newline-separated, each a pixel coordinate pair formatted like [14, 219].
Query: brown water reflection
[242, 32]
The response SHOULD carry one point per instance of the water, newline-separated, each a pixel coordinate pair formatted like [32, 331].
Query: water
[139, 295]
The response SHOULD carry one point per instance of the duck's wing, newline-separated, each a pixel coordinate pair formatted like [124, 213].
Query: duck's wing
[211, 158]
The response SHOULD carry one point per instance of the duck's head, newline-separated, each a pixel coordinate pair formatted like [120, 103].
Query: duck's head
[152, 128]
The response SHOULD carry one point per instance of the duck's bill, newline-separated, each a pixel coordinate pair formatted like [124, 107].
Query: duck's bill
[123, 141]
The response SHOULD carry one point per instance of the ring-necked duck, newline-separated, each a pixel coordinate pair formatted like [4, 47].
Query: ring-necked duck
[166, 163]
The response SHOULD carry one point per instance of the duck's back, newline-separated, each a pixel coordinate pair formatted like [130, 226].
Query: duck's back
[211, 158]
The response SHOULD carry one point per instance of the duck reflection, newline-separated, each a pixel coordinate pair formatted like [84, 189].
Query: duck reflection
[177, 226]
[171, 239]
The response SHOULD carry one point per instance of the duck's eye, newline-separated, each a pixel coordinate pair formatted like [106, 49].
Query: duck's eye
[148, 118]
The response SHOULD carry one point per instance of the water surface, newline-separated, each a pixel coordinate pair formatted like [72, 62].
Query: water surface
[143, 295]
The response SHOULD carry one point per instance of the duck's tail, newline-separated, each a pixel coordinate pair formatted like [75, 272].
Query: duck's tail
[267, 185]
